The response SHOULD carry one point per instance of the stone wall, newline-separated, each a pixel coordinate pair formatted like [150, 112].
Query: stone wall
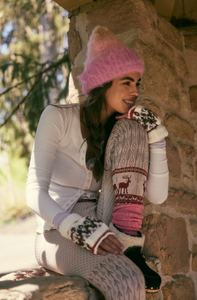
[169, 87]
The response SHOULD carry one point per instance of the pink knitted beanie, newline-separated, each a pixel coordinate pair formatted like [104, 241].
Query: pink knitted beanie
[107, 58]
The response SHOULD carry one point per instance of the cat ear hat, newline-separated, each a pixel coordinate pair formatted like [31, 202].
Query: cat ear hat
[107, 58]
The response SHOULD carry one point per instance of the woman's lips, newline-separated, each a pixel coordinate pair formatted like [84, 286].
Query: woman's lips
[129, 102]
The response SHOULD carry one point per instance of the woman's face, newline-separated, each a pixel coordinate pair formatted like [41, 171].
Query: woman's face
[121, 96]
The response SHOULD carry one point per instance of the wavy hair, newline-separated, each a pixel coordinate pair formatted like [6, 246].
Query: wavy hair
[90, 116]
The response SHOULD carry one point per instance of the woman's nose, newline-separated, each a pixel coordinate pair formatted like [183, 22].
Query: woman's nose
[134, 91]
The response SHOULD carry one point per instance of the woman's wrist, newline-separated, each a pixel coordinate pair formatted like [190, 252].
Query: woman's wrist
[86, 232]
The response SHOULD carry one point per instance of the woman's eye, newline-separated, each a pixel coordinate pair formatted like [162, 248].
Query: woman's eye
[126, 83]
[138, 84]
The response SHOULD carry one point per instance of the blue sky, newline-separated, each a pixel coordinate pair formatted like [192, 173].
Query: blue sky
[5, 32]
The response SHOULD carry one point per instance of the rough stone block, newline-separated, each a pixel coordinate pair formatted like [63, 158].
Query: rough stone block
[155, 296]
[22, 292]
[191, 42]
[182, 201]
[179, 127]
[193, 227]
[164, 47]
[187, 150]
[30, 273]
[194, 257]
[45, 284]
[181, 67]
[187, 173]
[191, 59]
[196, 170]
[185, 98]
[170, 33]
[166, 238]
[160, 79]
[174, 99]
[52, 287]
[188, 170]
[180, 289]
[173, 161]
[193, 98]
[74, 40]
[118, 17]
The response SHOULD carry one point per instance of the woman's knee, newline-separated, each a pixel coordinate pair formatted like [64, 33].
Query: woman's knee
[130, 132]
[125, 125]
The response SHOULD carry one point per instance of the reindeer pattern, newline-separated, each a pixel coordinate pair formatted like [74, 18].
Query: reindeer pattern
[128, 163]
[129, 185]
[123, 186]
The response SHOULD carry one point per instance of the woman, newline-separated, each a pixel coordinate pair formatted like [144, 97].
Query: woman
[76, 153]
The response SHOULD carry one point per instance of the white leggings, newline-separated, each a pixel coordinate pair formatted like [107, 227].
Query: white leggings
[117, 277]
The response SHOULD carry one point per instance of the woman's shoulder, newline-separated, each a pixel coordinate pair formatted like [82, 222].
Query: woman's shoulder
[65, 110]
[58, 117]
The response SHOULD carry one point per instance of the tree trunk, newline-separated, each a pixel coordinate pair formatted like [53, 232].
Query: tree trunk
[48, 45]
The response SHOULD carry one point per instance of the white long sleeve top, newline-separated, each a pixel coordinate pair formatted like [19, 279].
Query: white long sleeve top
[58, 175]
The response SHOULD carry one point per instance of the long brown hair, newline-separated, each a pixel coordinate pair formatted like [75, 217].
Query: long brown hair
[91, 117]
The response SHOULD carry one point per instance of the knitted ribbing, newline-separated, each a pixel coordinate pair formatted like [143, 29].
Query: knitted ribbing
[128, 218]
[101, 42]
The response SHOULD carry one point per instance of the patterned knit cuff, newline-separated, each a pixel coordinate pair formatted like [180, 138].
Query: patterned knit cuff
[157, 134]
[130, 112]
[147, 118]
[99, 241]
[67, 223]
[127, 240]
[88, 233]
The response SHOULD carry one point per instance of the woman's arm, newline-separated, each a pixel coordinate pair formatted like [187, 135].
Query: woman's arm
[50, 131]
[158, 175]
[86, 232]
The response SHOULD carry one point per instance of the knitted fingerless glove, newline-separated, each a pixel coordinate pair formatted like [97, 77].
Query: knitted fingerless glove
[86, 232]
[150, 121]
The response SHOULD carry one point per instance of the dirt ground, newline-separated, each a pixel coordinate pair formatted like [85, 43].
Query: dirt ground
[17, 245]
[19, 226]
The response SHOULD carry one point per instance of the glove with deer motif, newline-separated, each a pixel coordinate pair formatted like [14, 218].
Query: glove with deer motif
[150, 121]
[86, 232]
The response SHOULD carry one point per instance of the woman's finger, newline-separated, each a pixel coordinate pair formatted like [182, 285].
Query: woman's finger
[115, 241]
[101, 251]
[110, 242]
[112, 245]
[122, 116]
[107, 247]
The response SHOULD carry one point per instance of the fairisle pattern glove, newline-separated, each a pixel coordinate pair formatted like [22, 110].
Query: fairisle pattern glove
[86, 232]
[150, 121]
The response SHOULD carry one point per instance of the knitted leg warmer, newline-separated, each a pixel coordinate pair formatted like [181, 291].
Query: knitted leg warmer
[124, 180]
[124, 183]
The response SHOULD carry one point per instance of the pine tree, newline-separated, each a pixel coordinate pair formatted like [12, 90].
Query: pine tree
[34, 71]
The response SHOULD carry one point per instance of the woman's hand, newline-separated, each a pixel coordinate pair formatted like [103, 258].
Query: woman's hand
[110, 244]
[149, 120]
